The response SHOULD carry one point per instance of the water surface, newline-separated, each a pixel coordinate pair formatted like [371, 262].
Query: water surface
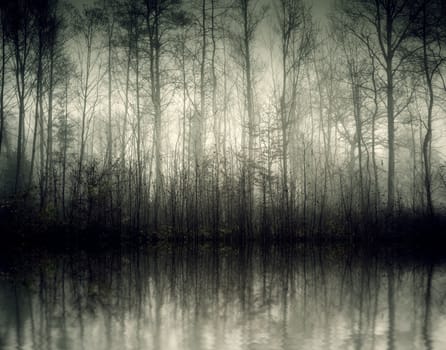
[226, 298]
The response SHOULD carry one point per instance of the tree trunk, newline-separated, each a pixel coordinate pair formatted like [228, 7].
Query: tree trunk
[217, 124]
[138, 143]
[38, 116]
[427, 142]
[249, 188]
[109, 154]
[2, 82]
[153, 23]
[49, 143]
[20, 71]
[65, 147]
[391, 141]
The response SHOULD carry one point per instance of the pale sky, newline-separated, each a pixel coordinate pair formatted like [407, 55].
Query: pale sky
[321, 7]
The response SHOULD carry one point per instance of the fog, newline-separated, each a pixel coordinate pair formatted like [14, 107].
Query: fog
[275, 118]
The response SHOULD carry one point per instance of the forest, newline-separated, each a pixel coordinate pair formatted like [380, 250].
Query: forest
[217, 118]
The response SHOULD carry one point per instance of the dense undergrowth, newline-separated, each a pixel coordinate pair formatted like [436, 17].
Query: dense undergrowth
[24, 228]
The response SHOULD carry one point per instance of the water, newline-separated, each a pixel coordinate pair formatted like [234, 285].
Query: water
[227, 298]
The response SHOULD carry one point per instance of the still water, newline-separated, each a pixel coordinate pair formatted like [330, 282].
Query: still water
[226, 298]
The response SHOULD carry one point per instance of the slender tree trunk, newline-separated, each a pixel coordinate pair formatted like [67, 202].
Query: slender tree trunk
[325, 144]
[65, 148]
[374, 116]
[153, 24]
[157, 104]
[391, 141]
[2, 82]
[388, 53]
[38, 103]
[42, 167]
[49, 142]
[427, 142]
[249, 188]
[414, 167]
[358, 127]
[20, 81]
[200, 126]
[225, 133]
[138, 143]
[185, 163]
[126, 111]
[122, 158]
[217, 125]
[284, 123]
[109, 155]
[85, 92]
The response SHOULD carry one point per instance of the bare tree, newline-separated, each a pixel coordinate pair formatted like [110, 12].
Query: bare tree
[249, 14]
[20, 32]
[296, 41]
[5, 58]
[154, 21]
[86, 25]
[432, 60]
[386, 29]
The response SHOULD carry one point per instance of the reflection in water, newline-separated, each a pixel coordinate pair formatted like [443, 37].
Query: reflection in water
[226, 298]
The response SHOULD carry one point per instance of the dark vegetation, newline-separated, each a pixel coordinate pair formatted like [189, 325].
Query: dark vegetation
[133, 120]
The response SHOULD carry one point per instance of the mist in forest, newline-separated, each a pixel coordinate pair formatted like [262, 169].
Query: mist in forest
[216, 118]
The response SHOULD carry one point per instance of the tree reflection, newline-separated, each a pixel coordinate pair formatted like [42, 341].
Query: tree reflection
[426, 331]
[207, 297]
